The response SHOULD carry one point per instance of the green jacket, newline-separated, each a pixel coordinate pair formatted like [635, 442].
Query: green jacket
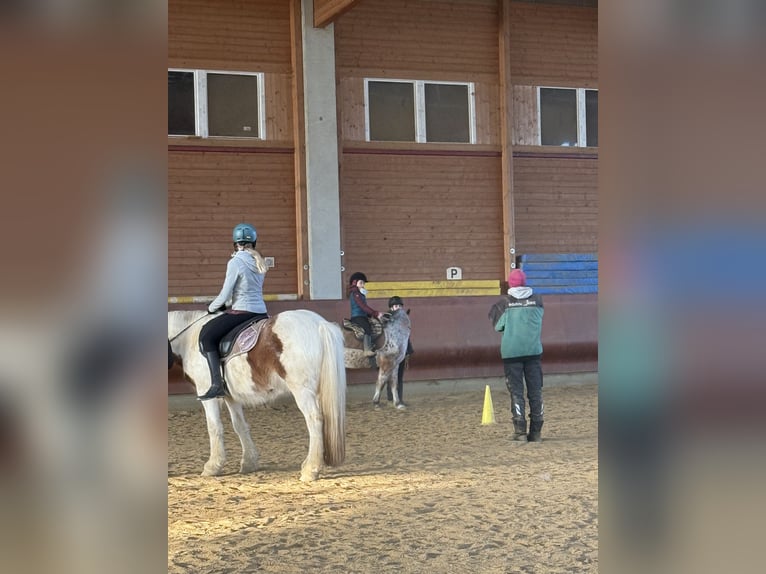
[519, 317]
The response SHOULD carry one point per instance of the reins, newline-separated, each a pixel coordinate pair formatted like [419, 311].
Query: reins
[174, 337]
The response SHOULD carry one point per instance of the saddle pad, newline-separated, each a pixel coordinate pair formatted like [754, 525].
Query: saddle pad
[376, 327]
[241, 339]
[356, 329]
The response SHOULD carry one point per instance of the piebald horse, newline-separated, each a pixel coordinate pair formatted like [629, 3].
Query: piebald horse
[390, 350]
[298, 352]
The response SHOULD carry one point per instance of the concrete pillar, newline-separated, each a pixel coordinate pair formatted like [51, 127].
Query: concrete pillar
[322, 179]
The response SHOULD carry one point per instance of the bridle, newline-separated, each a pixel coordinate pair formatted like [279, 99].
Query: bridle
[197, 320]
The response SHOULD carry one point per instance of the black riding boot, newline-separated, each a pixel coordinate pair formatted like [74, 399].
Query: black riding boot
[534, 431]
[368, 351]
[520, 430]
[216, 377]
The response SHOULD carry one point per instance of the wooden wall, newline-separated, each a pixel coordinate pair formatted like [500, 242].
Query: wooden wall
[409, 210]
[409, 217]
[426, 40]
[211, 191]
[556, 203]
[555, 189]
[447, 195]
[215, 183]
[252, 35]
[554, 45]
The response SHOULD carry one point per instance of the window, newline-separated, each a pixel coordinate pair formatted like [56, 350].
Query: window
[568, 116]
[391, 108]
[215, 104]
[417, 111]
[181, 114]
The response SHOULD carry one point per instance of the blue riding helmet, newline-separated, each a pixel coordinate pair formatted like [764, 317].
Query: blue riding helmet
[244, 232]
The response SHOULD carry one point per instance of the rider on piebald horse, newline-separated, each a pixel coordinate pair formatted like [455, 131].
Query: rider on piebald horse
[243, 285]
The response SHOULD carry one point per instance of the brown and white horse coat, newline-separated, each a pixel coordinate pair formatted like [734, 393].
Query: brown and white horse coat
[297, 352]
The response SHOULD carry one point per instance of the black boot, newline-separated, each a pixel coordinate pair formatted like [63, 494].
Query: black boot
[216, 377]
[534, 431]
[368, 351]
[520, 430]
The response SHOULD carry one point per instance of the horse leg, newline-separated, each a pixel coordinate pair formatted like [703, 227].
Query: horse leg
[395, 394]
[306, 399]
[249, 462]
[384, 375]
[214, 465]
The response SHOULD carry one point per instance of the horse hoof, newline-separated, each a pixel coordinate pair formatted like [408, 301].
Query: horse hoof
[309, 477]
[248, 468]
[211, 471]
[401, 406]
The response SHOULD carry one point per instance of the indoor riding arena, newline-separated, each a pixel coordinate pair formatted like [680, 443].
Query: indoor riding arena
[433, 146]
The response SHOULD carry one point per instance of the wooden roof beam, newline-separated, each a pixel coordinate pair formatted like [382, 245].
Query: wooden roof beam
[327, 11]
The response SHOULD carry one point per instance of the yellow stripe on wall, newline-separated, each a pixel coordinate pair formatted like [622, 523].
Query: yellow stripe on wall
[385, 289]
[381, 289]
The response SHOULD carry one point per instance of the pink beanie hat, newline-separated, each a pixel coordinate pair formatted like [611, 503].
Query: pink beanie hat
[516, 278]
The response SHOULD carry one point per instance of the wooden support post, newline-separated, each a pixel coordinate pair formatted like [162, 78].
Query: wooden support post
[506, 133]
[299, 149]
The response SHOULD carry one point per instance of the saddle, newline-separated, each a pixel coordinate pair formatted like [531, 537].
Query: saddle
[240, 339]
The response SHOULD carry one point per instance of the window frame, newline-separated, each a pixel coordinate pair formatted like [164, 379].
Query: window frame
[201, 127]
[582, 132]
[419, 95]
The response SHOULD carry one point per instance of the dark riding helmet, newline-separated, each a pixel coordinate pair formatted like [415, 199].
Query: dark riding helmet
[395, 300]
[244, 233]
[357, 277]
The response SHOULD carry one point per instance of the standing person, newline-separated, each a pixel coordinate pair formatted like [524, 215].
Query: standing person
[243, 285]
[395, 303]
[519, 316]
[360, 310]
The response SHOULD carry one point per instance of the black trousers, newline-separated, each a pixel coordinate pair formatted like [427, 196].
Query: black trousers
[518, 371]
[213, 331]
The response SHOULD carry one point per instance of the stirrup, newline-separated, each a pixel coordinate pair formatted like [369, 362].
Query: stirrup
[219, 392]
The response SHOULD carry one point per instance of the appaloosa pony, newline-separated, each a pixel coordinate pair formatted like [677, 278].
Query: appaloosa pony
[390, 348]
[295, 351]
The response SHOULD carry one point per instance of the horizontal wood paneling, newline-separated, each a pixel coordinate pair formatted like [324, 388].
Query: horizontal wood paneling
[229, 35]
[556, 205]
[352, 111]
[208, 194]
[279, 107]
[487, 113]
[554, 45]
[525, 124]
[452, 39]
[433, 40]
[408, 217]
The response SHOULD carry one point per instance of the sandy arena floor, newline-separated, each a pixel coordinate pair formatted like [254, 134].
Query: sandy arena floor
[425, 490]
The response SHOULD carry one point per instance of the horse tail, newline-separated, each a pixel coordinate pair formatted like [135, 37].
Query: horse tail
[332, 394]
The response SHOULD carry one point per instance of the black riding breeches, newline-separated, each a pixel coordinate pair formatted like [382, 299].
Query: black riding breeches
[364, 323]
[213, 331]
